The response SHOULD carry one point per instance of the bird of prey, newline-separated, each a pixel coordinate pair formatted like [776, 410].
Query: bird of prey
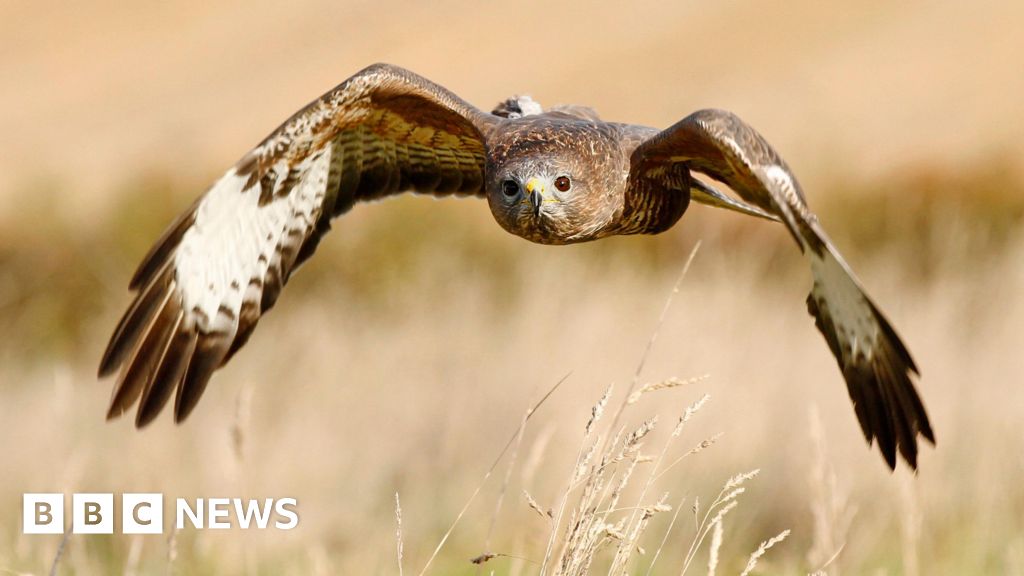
[554, 176]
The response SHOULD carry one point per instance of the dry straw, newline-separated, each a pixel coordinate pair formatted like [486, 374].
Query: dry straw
[603, 511]
[398, 532]
[761, 550]
[600, 517]
[716, 545]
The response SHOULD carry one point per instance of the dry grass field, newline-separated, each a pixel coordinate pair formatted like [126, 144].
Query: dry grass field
[403, 357]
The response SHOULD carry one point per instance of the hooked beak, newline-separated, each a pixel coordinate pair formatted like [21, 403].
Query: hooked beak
[534, 189]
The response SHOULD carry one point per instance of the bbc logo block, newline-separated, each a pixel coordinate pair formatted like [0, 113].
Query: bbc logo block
[93, 513]
[43, 514]
[142, 513]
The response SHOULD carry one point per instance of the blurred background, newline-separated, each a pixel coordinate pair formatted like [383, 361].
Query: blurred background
[402, 357]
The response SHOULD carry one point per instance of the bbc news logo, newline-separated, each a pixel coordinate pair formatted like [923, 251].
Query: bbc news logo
[94, 513]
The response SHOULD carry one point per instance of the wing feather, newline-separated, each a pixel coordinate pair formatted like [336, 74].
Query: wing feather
[161, 251]
[137, 372]
[202, 288]
[707, 194]
[134, 321]
[208, 355]
[874, 361]
[167, 371]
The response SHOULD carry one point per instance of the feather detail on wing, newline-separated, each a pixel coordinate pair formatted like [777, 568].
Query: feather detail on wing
[875, 364]
[204, 285]
[705, 193]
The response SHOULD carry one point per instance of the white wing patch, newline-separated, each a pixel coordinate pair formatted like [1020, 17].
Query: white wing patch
[234, 240]
[836, 290]
[777, 175]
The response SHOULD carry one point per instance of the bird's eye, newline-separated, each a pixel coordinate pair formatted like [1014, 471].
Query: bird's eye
[562, 184]
[510, 187]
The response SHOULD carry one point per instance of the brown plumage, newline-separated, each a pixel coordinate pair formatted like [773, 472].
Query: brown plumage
[557, 177]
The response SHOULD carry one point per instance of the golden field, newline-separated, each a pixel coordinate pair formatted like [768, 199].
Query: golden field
[402, 358]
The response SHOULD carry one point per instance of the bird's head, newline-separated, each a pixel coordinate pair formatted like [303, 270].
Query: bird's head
[549, 183]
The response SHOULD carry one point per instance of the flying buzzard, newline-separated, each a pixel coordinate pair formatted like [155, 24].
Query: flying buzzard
[556, 177]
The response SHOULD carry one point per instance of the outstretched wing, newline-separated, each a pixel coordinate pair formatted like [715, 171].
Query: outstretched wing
[204, 285]
[874, 362]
